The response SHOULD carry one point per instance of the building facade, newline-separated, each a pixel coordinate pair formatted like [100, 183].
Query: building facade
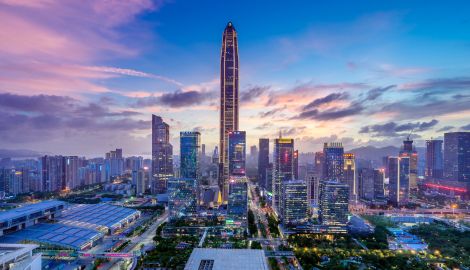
[399, 180]
[350, 175]
[237, 153]
[228, 100]
[263, 162]
[237, 208]
[190, 142]
[333, 203]
[294, 208]
[283, 167]
[409, 151]
[457, 156]
[434, 169]
[162, 155]
[333, 167]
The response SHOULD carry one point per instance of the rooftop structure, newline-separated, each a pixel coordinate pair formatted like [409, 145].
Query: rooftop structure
[28, 215]
[19, 256]
[56, 235]
[226, 259]
[101, 217]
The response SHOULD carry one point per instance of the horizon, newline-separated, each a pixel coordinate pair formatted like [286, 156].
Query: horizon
[368, 76]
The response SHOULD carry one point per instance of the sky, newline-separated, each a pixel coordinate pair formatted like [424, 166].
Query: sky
[84, 77]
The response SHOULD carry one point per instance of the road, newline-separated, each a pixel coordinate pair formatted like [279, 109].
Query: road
[146, 238]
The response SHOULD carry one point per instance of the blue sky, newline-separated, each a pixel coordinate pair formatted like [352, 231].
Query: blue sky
[87, 79]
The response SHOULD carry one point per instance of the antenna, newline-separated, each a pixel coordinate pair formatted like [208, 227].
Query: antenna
[409, 135]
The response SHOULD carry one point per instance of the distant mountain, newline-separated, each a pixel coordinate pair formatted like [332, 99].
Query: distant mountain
[374, 153]
[19, 153]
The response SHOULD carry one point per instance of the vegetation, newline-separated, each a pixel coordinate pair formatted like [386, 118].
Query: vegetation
[251, 224]
[450, 242]
[256, 245]
[219, 242]
[377, 240]
[378, 220]
[273, 225]
[167, 255]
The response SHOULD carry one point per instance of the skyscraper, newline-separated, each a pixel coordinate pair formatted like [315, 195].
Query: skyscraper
[182, 197]
[350, 174]
[237, 153]
[409, 151]
[228, 100]
[371, 184]
[263, 162]
[457, 156]
[399, 180]
[333, 203]
[296, 164]
[283, 167]
[53, 173]
[434, 169]
[333, 166]
[190, 142]
[162, 155]
[294, 202]
[237, 208]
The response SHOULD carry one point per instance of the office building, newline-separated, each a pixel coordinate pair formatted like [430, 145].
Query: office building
[283, 167]
[333, 167]
[319, 164]
[237, 208]
[237, 153]
[333, 203]
[434, 169]
[114, 164]
[457, 156]
[350, 175]
[228, 100]
[294, 202]
[296, 164]
[371, 184]
[53, 173]
[182, 197]
[313, 187]
[162, 155]
[399, 180]
[190, 143]
[263, 162]
[409, 151]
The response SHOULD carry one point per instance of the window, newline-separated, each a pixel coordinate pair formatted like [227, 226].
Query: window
[206, 265]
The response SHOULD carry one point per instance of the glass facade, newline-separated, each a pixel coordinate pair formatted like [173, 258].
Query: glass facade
[457, 156]
[294, 202]
[333, 203]
[162, 155]
[333, 161]
[237, 209]
[434, 161]
[399, 180]
[228, 100]
[263, 162]
[237, 153]
[190, 142]
[182, 197]
[283, 167]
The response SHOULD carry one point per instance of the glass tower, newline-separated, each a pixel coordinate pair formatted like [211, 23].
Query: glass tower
[190, 142]
[162, 155]
[237, 153]
[333, 161]
[263, 161]
[434, 162]
[228, 100]
[283, 167]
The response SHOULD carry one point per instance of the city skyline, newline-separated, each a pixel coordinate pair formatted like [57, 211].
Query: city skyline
[368, 78]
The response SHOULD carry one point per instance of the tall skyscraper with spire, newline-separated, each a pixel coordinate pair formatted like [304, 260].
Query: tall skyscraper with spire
[162, 155]
[228, 101]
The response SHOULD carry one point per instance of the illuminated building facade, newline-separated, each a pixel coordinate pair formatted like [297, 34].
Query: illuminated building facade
[190, 142]
[457, 156]
[237, 208]
[263, 162]
[237, 153]
[162, 155]
[399, 180]
[333, 203]
[283, 167]
[333, 167]
[228, 100]
[182, 197]
[434, 169]
[350, 175]
[294, 202]
[410, 152]
[371, 184]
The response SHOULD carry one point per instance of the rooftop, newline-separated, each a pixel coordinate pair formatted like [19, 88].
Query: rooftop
[55, 234]
[28, 209]
[96, 216]
[10, 251]
[226, 259]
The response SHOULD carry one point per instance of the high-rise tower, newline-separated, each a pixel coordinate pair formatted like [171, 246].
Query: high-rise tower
[162, 155]
[228, 100]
